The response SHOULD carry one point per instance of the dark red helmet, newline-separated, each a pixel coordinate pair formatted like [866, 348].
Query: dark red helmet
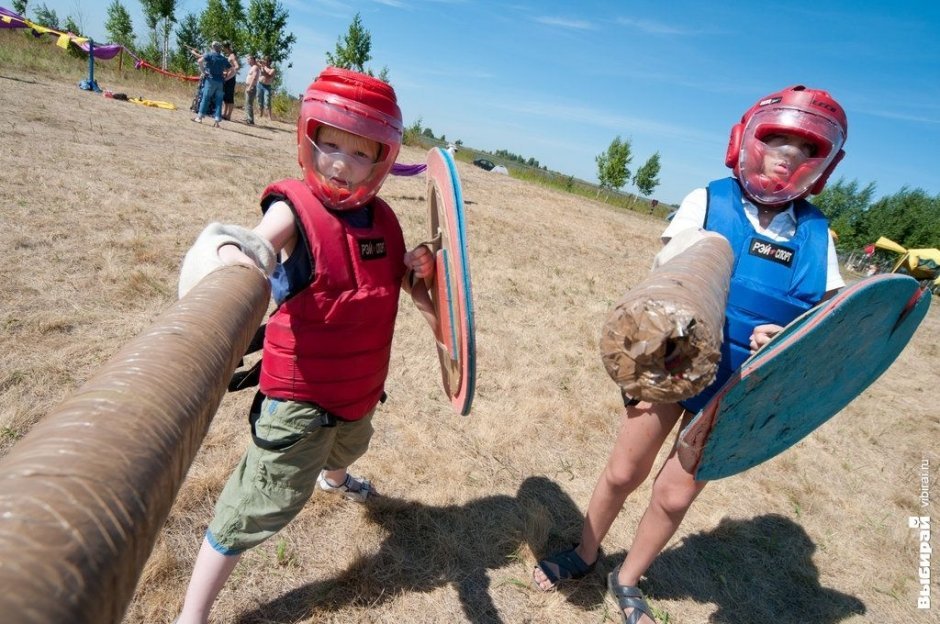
[810, 114]
[358, 104]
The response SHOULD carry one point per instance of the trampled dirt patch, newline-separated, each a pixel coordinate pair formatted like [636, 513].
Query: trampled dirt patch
[101, 199]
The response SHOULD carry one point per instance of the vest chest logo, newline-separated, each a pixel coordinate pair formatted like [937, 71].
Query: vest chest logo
[772, 251]
[371, 248]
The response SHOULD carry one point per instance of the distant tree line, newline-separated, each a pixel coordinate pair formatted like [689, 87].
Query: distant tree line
[522, 160]
[909, 217]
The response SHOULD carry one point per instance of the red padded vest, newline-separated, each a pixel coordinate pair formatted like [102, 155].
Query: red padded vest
[330, 343]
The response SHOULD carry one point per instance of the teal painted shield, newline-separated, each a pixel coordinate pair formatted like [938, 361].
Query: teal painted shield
[804, 376]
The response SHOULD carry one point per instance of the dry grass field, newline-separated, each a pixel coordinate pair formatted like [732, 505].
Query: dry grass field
[101, 199]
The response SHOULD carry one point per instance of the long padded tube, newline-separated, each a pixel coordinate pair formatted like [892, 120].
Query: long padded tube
[83, 496]
[662, 341]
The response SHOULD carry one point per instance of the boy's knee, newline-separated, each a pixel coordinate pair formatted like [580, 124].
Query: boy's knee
[674, 498]
[627, 477]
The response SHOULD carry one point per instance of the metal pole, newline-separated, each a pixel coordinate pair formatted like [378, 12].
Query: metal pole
[91, 65]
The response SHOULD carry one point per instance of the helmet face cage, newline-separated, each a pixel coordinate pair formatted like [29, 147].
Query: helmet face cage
[319, 109]
[777, 175]
[803, 172]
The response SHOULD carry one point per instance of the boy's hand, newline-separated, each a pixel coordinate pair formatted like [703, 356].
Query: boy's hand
[219, 245]
[421, 261]
[762, 335]
[231, 254]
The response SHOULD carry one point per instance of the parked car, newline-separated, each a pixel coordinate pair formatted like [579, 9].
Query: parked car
[484, 164]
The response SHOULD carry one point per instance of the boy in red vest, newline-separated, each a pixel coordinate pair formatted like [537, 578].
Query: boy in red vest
[342, 262]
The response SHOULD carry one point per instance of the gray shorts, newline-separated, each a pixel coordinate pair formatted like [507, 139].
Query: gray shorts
[270, 487]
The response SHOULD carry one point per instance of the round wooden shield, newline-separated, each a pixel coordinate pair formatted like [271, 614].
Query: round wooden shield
[450, 291]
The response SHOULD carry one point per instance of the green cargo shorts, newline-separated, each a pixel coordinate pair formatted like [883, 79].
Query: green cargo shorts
[270, 487]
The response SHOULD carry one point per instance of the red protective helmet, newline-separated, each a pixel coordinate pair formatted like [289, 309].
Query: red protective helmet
[358, 104]
[796, 111]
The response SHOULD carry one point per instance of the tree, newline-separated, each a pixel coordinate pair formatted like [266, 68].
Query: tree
[70, 26]
[160, 17]
[188, 36]
[119, 26]
[267, 31]
[612, 170]
[845, 205]
[909, 217]
[19, 6]
[353, 50]
[46, 17]
[645, 178]
[73, 50]
[224, 22]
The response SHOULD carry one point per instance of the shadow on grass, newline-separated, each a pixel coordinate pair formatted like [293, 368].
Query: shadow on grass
[756, 571]
[262, 126]
[18, 79]
[430, 547]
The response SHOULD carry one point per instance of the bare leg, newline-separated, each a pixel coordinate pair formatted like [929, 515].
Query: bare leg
[335, 477]
[673, 493]
[211, 571]
[643, 430]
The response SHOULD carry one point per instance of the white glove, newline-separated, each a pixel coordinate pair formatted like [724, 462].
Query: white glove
[679, 243]
[203, 257]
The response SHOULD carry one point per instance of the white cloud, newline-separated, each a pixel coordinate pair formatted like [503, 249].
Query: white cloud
[564, 22]
[654, 28]
[902, 116]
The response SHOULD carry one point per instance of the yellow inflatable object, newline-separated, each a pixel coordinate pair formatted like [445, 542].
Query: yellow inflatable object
[922, 264]
[154, 103]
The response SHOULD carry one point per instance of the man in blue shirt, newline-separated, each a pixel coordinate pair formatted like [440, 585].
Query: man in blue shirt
[215, 66]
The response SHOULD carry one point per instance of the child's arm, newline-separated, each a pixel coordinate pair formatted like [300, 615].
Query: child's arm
[276, 227]
[417, 282]
[223, 245]
[420, 264]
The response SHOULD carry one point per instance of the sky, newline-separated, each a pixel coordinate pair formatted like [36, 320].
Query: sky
[559, 80]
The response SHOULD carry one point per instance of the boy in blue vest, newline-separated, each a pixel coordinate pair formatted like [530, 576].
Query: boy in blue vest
[783, 150]
[342, 262]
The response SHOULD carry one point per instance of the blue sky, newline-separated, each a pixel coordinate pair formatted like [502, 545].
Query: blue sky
[557, 81]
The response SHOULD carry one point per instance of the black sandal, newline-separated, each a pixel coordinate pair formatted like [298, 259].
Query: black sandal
[570, 567]
[628, 597]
